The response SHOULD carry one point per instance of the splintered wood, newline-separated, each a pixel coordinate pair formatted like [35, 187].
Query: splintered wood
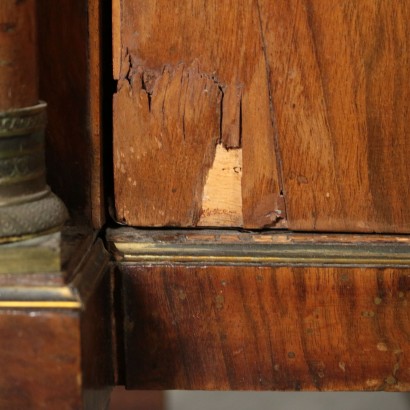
[262, 114]
[184, 108]
[172, 122]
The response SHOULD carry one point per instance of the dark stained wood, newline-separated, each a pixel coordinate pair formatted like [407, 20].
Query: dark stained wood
[265, 328]
[98, 345]
[40, 360]
[178, 98]
[122, 399]
[58, 331]
[18, 54]
[63, 85]
[340, 91]
[95, 55]
[93, 281]
[70, 82]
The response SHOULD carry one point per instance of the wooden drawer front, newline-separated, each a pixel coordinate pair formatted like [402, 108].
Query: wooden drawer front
[264, 328]
[262, 114]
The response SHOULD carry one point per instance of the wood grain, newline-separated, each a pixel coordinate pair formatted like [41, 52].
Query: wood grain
[57, 331]
[172, 172]
[165, 143]
[63, 84]
[93, 282]
[95, 101]
[41, 362]
[18, 54]
[315, 94]
[264, 328]
[70, 82]
[340, 91]
[222, 192]
[98, 345]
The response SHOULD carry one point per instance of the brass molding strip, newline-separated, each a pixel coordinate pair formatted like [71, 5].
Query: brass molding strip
[39, 297]
[15, 304]
[82, 264]
[237, 248]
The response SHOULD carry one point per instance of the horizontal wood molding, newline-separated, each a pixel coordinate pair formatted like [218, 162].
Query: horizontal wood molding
[267, 248]
[39, 298]
[233, 310]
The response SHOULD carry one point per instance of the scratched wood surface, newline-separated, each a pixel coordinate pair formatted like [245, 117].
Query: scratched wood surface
[41, 361]
[192, 90]
[314, 94]
[340, 91]
[264, 328]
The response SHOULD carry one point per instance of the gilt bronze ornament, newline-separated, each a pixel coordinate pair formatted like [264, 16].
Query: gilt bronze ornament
[27, 206]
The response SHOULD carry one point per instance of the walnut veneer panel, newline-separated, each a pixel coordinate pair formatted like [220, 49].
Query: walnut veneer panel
[340, 89]
[313, 94]
[264, 328]
[40, 357]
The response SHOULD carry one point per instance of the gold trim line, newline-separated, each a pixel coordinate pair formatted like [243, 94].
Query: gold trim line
[264, 260]
[39, 304]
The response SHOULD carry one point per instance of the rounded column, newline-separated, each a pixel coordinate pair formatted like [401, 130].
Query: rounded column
[27, 206]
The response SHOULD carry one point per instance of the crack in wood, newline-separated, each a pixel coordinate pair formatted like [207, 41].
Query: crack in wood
[281, 196]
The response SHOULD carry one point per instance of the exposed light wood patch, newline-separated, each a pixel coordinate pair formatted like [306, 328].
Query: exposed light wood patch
[223, 39]
[222, 197]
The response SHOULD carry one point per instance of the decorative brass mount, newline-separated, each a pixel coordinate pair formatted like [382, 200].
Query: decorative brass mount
[27, 206]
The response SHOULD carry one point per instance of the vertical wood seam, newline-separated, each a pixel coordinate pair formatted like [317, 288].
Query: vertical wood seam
[272, 113]
[116, 38]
